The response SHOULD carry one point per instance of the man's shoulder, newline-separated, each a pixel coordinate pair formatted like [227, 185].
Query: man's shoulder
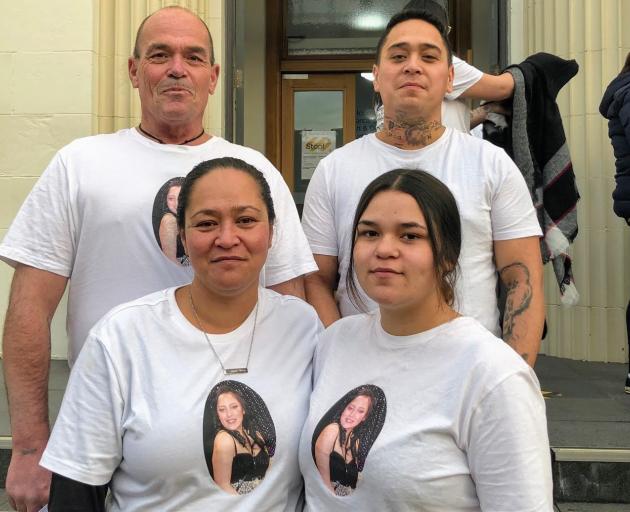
[474, 149]
[95, 143]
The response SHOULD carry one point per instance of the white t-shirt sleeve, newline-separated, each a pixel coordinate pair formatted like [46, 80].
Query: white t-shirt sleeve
[42, 234]
[318, 217]
[513, 214]
[290, 255]
[86, 442]
[508, 448]
[465, 77]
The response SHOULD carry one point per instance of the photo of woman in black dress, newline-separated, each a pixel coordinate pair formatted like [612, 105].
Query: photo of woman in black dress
[164, 217]
[239, 437]
[344, 436]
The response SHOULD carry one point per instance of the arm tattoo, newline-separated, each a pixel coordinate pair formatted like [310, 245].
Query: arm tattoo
[515, 276]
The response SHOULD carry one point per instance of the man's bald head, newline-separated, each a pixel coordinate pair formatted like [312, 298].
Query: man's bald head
[136, 46]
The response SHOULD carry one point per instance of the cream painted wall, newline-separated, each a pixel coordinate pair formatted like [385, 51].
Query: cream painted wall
[595, 33]
[254, 76]
[64, 68]
[47, 53]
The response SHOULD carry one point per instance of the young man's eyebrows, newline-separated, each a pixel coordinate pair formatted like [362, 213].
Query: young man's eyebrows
[403, 45]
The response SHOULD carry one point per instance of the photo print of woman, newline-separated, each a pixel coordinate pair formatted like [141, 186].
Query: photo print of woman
[164, 219]
[344, 436]
[239, 437]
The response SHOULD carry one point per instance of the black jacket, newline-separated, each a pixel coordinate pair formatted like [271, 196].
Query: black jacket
[615, 107]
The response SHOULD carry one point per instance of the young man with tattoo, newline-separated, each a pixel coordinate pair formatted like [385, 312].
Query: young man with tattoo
[413, 72]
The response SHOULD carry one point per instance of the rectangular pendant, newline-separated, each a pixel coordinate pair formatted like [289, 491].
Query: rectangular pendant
[232, 371]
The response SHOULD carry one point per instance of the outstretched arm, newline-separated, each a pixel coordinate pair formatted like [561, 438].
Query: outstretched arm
[520, 268]
[491, 87]
[35, 295]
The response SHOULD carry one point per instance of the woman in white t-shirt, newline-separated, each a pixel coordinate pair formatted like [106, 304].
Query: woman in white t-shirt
[178, 400]
[462, 421]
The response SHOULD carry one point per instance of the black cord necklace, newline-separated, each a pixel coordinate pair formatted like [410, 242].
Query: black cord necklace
[144, 132]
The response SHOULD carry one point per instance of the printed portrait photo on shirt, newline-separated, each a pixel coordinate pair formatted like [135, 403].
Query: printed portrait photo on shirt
[239, 437]
[344, 436]
[164, 218]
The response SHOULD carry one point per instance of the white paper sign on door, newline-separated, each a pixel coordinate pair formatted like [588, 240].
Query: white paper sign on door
[316, 144]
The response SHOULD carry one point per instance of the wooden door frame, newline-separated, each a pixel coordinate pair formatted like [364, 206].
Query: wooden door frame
[276, 64]
[329, 82]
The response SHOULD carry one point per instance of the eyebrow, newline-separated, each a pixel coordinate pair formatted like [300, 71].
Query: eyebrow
[235, 209]
[405, 46]
[165, 47]
[406, 225]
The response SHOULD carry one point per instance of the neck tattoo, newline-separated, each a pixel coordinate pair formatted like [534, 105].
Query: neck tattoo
[411, 131]
[226, 371]
[187, 141]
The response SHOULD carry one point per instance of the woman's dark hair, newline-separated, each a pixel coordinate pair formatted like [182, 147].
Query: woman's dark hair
[443, 224]
[626, 66]
[415, 14]
[247, 420]
[358, 432]
[226, 162]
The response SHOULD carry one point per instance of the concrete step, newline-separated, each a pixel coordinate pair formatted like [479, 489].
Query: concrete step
[591, 475]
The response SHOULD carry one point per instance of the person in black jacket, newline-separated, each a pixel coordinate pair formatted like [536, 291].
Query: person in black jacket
[615, 107]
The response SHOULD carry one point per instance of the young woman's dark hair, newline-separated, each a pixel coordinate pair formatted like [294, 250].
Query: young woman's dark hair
[413, 14]
[626, 66]
[208, 166]
[443, 224]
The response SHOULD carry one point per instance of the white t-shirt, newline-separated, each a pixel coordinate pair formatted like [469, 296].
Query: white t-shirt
[458, 423]
[493, 201]
[89, 218]
[134, 408]
[455, 112]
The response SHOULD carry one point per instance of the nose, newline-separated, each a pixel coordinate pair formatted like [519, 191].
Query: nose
[386, 247]
[177, 68]
[413, 64]
[227, 236]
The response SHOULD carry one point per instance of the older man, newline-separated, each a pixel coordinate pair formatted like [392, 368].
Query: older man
[413, 72]
[101, 218]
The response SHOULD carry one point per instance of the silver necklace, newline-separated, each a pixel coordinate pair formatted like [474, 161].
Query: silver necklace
[226, 371]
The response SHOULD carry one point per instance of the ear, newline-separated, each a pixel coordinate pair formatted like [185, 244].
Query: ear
[214, 77]
[451, 77]
[375, 82]
[132, 66]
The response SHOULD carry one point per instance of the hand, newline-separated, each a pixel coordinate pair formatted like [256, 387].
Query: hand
[27, 482]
